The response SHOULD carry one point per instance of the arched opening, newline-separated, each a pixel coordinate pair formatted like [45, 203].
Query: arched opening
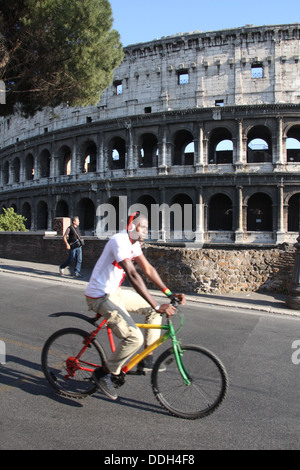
[117, 153]
[62, 209]
[220, 147]
[45, 161]
[182, 218]
[42, 216]
[183, 153]
[64, 160]
[259, 213]
[259, 145]
[6, 173]
[86, 214]
[26, 212]
[293, 145]
[294, 213]
[220, 213]
[16, 170]
[89, 157]
[29, 167]
[148, 152]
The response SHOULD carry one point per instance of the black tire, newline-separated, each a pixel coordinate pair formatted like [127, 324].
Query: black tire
[58, 348]
[208, 386]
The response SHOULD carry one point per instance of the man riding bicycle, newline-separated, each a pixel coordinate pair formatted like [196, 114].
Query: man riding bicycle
[105, 296]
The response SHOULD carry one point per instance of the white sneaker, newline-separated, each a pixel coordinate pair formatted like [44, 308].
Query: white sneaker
[61, 271]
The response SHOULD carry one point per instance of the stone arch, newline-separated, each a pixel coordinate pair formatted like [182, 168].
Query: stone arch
[27, 213]
[29, 167]
[182, 220]
[42, 215]
[117, 153]
[62, 209]
[220, 212]
[293, 213]
[259, 145]
[148, 150]
[293, 145]
[181, 153]
[89, 157]
[220, 149]
[259, 213]
[86, 214]
[44, 164]
[64, 160]
[6, 173]
[16, 167]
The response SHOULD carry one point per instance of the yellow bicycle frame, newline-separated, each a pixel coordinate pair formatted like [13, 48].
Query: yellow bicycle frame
[138, 357]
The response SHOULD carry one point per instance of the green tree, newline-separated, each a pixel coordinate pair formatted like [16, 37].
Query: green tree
[10, 221]
[56, 51]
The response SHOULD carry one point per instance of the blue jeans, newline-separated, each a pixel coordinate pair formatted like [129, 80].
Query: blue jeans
[76, 253]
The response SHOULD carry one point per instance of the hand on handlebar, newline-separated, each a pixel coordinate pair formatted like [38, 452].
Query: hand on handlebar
[179, 298]
[169, 309]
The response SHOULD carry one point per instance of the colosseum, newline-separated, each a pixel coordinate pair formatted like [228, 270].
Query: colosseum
[205, 121]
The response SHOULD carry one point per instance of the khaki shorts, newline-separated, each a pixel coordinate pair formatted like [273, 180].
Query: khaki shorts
[116, 309]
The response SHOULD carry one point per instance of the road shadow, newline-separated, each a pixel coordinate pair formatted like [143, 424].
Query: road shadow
[37, 272]
[33, 382]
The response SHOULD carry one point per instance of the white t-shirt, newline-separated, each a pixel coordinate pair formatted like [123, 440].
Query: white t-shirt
[107, 274]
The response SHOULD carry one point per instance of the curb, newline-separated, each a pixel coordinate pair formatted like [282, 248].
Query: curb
[221, 302]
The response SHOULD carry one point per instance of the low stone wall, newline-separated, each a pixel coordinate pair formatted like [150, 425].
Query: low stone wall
[191, 270]
[36, 247]
[220, 270]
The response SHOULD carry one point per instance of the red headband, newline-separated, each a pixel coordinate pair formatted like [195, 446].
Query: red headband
[132, 216]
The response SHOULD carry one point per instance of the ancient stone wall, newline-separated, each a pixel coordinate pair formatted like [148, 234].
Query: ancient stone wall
[222, 270]
[191, 270]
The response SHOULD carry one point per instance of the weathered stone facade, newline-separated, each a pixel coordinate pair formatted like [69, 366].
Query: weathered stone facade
[208, 121]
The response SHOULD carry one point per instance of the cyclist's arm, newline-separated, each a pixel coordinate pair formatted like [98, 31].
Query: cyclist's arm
[150, 271]
[153, 275]
[137, 282]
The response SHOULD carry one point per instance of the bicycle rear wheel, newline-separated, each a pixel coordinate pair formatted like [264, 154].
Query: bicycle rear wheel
[208, 382]
[65, 373]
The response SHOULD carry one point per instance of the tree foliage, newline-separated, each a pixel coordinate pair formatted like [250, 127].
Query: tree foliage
[10, 221]
[56, 51]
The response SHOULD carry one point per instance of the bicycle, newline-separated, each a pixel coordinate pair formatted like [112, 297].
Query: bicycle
[189, 381]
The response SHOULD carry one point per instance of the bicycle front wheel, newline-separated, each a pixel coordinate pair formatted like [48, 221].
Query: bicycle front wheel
[207, 388]
[68, 365]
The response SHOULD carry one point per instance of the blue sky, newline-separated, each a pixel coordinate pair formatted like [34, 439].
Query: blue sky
[145, 20]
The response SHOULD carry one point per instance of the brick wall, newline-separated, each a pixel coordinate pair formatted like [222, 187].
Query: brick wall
[205, 270]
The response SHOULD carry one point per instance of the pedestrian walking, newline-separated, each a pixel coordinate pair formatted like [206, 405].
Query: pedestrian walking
[74, 245]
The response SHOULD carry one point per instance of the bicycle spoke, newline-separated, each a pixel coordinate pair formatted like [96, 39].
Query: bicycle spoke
[207, 388]
[63, 370]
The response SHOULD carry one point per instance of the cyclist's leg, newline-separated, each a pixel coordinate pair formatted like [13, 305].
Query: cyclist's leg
[124, 328]
[134, 303]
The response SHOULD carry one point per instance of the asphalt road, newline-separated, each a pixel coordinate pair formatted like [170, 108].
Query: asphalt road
[261, 410]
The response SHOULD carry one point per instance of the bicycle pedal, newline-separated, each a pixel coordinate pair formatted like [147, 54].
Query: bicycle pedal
[118, 380]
